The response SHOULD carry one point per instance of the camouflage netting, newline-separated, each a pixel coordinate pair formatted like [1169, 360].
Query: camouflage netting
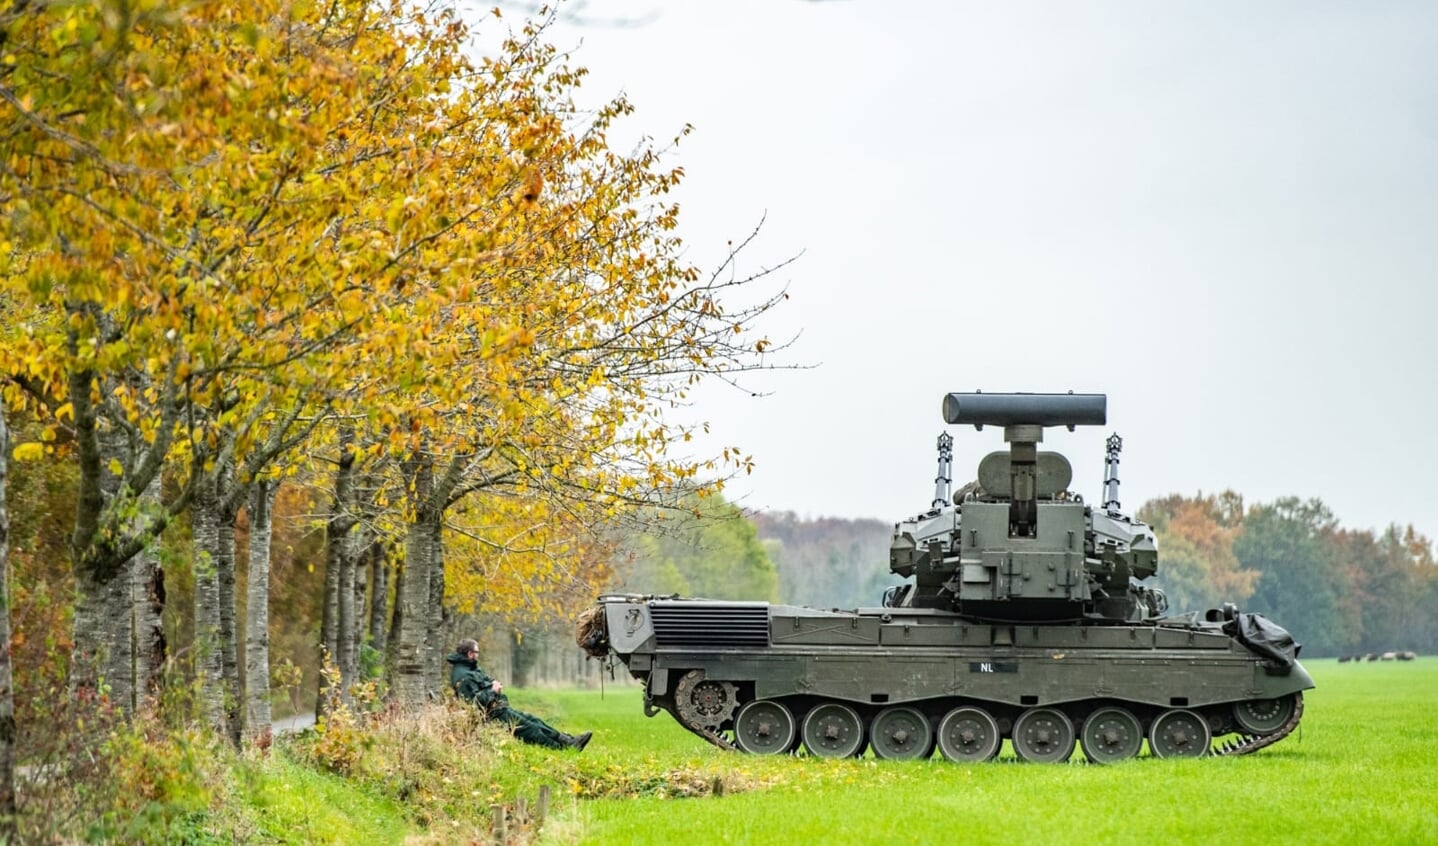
[590, 634]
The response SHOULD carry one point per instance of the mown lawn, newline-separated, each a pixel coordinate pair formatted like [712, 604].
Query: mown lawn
[1361, 770]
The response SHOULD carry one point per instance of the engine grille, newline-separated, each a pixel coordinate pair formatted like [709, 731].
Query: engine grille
[710, 624]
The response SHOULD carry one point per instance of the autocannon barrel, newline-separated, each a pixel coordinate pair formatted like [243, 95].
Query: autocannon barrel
[1026, 409]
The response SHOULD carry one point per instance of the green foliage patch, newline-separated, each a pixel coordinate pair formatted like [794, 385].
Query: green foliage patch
[281, 801]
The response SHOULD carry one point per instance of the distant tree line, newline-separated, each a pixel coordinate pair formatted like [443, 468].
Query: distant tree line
[1339, 591]
[707, 550]
[828, 562]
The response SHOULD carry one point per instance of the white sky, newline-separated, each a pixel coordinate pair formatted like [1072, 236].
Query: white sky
[1224, 215]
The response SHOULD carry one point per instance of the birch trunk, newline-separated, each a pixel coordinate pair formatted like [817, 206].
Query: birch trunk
[148, 601]
[228, 636]
[147, 586]
[7, 693]
[378, 597]
[417, 640]
[436, 617]
[412, 667]
[346, 653]
[104, 612]
[216, 636]
[257, 610]
[209, 663]
[358, 631]
[336, 542]
[363, 540]
[396, 621]
[329, 617]
[409, 665]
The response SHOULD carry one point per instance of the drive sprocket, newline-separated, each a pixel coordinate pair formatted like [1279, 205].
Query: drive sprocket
[705, 703]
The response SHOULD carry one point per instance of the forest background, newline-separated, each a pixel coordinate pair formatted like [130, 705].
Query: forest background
[326, 343]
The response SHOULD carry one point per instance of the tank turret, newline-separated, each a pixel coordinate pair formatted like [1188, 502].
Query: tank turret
[1016, 545]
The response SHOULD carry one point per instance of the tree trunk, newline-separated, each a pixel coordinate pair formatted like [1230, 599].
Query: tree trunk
[329, 617]
[7, 693]
[436, 616]
[209, 662]
[359, 629]
[257, 610]
[410, 667]
[336, 549]
[104, 620]
[346, 651]
[413, 669]
[378, 597]
[147, 587]
[418, 639]
[396, 620]
[228, 635]
[363, 540]
[148, 601]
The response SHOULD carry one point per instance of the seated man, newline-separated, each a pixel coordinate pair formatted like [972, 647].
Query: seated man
[472, 685]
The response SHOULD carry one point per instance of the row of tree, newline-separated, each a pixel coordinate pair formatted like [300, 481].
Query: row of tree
[321, 246]
[1340, 591]
[827, 562]
[711, 551]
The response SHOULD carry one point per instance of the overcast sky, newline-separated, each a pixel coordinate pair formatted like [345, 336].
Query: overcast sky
[1223, 215]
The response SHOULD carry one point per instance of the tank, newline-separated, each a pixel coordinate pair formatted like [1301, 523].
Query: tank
[1025, 616]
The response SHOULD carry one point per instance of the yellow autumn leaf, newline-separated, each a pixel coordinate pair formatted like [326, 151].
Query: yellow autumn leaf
[30, 451]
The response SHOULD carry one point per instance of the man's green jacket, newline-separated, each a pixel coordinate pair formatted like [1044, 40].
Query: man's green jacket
[471, 684]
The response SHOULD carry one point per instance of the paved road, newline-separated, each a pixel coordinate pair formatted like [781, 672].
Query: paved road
[290, 725]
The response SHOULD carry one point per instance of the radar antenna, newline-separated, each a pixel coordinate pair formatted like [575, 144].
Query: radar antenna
[941, 482]
[1110, 474]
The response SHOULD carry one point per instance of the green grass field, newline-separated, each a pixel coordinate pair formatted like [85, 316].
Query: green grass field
[1361, 769]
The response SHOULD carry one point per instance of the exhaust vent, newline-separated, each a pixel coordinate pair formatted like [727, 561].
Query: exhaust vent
[710, 623]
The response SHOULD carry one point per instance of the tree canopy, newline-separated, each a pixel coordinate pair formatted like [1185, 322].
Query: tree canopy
[333, 244]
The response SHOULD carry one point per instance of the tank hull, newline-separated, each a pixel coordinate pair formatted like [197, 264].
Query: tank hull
[704, 661]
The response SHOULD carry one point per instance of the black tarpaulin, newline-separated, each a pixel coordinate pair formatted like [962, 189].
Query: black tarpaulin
[1265, 638]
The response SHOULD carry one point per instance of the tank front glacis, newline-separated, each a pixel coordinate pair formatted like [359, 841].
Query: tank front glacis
[1025, 619]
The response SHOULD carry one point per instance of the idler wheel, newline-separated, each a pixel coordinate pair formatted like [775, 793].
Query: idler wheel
[901, 733]
[1264, 716]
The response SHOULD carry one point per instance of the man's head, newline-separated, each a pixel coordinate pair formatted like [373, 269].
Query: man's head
[468, 647]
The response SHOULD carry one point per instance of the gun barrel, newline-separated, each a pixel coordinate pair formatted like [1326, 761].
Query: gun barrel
[1027, 409]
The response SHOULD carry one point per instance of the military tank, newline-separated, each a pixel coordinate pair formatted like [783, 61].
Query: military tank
[1025, 616]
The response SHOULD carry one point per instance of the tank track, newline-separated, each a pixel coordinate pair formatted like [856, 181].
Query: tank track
[708, 734]
[714, 738]
[1245, 744]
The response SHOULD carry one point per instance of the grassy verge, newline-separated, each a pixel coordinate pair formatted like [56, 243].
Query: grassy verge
[277, 800]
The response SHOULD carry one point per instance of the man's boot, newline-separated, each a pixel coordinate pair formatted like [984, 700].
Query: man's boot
[579, 741]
